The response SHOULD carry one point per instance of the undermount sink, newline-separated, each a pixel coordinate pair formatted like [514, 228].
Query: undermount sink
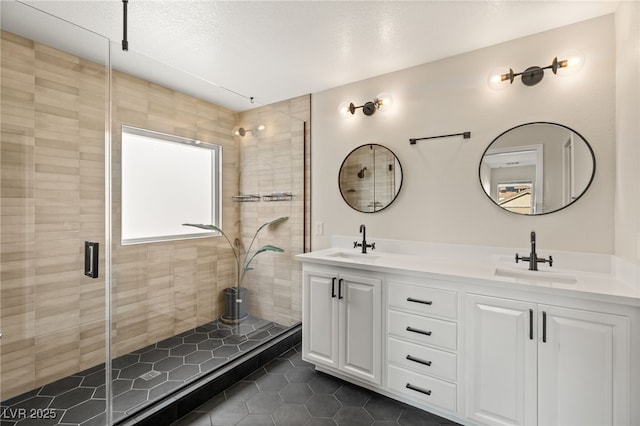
[539, 276]
[361, 257]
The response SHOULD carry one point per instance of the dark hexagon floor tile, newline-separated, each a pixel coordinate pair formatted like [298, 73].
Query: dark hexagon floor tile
[260, 372]
[264, 403]
[234, 339]
[298, 362]
[296, 393]
[71, 398]
[60, 386]
[140, 383]
[385, 423]
[300, 374]
[184, 349]
[145, 349]
[184, 372]
[125, 361]
[258, 335]
[210, 344]
[198, 357]
[154, 355]
[320, 421]
[219, 334]
[168, 364]
[120, 386]
[382, 408]
[36, 402]
[278, 365]
[225, 351]
[169, 343]
[134, 371]
[272, 382]
[323, 405]
[242, 390]
[196, 338]
[86, 410]
[353, 416]
[35, 421]
[354, 395]
[291, 415]
[129, 399]
[228, 412]
[415, 417]
[194, 419]
[95, 379]
[256, 420]
[324, 383]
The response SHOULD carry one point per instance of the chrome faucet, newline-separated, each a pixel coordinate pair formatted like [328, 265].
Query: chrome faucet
[533, 258]
[363, 244]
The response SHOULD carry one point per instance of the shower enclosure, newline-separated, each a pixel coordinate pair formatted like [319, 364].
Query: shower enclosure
[106, 342]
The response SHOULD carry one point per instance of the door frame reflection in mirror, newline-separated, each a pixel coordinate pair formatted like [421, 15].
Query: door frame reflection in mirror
[358, 172]
[565, 191]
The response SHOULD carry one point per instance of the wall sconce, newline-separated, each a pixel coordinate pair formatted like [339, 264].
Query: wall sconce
[241, 131]
[368, 108]
[534, 74]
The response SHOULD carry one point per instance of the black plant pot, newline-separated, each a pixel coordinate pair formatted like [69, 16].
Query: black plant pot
[235, 305]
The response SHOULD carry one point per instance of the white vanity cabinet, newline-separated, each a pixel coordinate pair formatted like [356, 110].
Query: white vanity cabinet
[342, 321]
[530, 363]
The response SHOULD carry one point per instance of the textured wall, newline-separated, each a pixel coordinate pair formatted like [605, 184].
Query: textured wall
[441, 198]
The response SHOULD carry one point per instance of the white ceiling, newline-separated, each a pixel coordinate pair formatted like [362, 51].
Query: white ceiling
[276, 50]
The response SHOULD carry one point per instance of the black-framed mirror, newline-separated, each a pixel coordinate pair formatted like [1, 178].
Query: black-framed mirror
[537, 168]
[370, 178]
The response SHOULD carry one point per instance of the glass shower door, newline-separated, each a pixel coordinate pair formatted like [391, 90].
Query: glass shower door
[54, 113]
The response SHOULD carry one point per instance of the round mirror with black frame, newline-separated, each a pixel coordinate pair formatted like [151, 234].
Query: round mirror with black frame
[370, 178]
[537, 168]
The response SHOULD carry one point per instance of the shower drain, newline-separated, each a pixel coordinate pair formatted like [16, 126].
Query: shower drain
[150, 375]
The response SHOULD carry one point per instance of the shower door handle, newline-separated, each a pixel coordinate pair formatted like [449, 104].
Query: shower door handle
[91, 253]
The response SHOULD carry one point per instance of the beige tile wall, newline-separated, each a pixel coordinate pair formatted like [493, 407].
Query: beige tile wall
[273, 160]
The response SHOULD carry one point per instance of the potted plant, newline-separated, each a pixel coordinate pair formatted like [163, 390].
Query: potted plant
[235, 297]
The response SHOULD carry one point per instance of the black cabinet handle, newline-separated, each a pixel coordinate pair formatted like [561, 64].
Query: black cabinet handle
[424, 302]
[333, 287]
[91, 253]
[415, 330]
[530, 324]
[418, 389]
[544, 327]
[419, 361]
[340, 289]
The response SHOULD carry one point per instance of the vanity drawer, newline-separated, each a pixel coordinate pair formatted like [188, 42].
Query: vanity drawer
[422, 388]
[424, 330]
[423, 300]
[422, 359]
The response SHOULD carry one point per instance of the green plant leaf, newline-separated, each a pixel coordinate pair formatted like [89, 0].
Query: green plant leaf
[262, 249]
[273, 222]
[201, 226]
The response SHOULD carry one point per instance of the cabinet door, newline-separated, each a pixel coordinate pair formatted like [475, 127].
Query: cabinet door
[320, 321]
[582, 362]
[360, 325]
[501, 361]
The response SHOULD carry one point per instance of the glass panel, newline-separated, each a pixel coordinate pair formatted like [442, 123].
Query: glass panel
[179, 311]
[52, 187]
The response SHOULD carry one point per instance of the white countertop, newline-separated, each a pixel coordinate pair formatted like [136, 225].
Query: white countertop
[589, 275]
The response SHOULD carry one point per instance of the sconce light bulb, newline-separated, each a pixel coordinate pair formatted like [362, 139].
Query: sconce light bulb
[261, 127]
[572, 62]
[344, 110]
[384, 99]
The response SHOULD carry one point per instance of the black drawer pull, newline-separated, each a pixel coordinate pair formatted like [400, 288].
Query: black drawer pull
[419, 361]
[424, 302]
[417, 389]
[415, 330]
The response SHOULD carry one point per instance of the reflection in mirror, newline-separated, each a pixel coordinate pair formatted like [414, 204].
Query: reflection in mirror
[370, 178]
[537, 168]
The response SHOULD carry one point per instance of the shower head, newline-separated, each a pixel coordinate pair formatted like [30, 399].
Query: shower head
[241, 131]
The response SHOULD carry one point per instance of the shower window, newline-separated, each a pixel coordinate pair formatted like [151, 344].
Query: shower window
[167, 181]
